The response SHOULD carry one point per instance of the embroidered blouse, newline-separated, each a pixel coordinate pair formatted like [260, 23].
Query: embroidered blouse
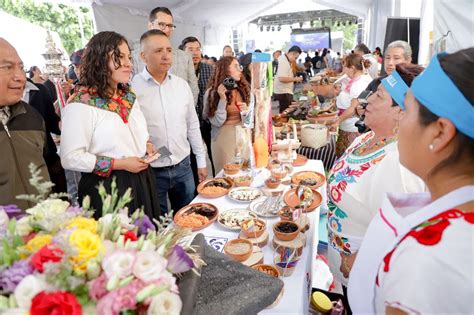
[96, 131]
[441, 280]
[356, 187]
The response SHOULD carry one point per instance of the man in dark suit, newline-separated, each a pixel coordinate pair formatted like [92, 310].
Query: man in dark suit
[38, 96]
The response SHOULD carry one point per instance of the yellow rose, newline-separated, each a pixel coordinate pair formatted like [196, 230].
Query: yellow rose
[87, 246]
[84, 223]
[35, 244]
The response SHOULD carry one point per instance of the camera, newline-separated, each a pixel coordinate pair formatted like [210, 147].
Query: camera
[362, 99]
[229, 83]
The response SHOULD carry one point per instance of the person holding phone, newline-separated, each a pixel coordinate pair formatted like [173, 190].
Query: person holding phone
[104, 133]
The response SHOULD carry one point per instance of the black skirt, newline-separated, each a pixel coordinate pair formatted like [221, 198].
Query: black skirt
[143, 190]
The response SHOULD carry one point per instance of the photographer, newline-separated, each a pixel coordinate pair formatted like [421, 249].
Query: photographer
[227, 96]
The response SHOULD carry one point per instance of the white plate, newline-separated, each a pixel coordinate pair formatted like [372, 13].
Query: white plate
[244, 194]
[232, 218]
[256, 204]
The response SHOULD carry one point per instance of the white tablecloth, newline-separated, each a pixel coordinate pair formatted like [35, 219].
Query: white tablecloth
[298, 286]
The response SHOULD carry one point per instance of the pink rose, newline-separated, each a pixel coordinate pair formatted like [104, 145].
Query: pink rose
[98, 287]
[121, 299]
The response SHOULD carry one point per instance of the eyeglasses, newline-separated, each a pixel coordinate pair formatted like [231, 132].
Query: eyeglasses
[163, 26]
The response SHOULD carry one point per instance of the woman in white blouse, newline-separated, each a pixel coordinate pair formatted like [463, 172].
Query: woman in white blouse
[104, 132]
[367, 170]
[347, 99]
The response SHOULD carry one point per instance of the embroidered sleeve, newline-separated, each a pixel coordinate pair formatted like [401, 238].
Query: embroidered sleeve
[103, 166]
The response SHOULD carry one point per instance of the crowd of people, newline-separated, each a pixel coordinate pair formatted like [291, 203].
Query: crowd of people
[400, 195]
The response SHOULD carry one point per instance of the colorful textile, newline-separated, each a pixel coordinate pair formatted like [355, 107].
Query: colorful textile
[103, 167]
[356, 186]
[121, 105]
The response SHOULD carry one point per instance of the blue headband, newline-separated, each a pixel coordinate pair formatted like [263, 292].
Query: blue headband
[396, 87]
[435, 90]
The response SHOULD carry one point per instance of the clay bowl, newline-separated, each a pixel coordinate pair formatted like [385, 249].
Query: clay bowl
[210, 212]
[204, 191]
[242, 181]
[267, 269]
[294, 230]
[272, 182]
[239, 249]
[318, 179]
[257, 232]
[286, 214]
[232, 169]
[291, 199]
[300, 160]
[279, 173]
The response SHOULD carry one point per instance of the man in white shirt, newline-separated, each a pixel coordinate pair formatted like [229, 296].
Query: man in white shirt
[166, 101]
[284, 81]
[161, 19]
[363, 51]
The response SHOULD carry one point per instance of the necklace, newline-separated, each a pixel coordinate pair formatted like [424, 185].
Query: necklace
[369, 145]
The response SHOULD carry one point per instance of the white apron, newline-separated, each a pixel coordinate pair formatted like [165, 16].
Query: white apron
[398, 215]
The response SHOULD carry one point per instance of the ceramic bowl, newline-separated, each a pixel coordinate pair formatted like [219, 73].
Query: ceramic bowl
[232, 169]
[239, 249]
[289, 235]
[267, 269]
[272, 182]
[242, 181]
[257, 231]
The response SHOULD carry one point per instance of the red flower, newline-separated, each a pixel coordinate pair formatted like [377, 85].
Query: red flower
[430, 235]
[57, 303]
[44, 255]
[130, 235]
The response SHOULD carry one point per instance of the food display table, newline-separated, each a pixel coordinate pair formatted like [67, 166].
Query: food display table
[297, 286]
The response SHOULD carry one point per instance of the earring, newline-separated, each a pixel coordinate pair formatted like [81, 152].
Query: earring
[431, 147]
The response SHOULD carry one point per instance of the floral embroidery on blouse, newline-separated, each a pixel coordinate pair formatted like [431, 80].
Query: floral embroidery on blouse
[103, 166]
[340, 243]
[121, 105]
[430, 232]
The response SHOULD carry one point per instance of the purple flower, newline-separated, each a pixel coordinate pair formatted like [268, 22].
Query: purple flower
[144, 225]
[76, 211]
[179, 261]
[13, 211]
[11, 277]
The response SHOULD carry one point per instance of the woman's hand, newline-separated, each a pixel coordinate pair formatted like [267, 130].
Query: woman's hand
[347, 261]
[150, 148]
[221, 91]
[131, 164]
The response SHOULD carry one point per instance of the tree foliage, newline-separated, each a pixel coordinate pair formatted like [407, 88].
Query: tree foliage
[60, 18]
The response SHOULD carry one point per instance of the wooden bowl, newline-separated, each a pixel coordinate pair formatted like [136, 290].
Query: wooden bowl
[267, 269]
[320, 179]
[286, 236]
[232, 169]
[232, 249]
[291, 200]
[272, 182]
[205, 192]
[243, 181]
[257, 232]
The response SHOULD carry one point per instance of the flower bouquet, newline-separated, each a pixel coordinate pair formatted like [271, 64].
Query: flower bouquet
[57, 259]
